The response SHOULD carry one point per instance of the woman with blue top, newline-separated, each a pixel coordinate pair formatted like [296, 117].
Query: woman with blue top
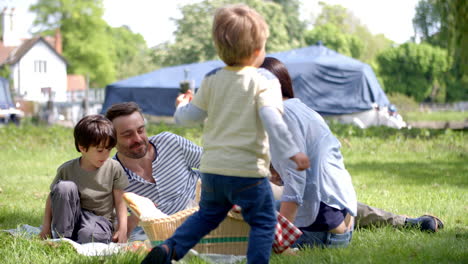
[321, 200]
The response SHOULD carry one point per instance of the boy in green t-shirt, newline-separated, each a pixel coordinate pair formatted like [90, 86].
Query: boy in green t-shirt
[86, 190]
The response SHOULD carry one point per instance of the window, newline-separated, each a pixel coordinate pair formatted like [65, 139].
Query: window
[40, 66]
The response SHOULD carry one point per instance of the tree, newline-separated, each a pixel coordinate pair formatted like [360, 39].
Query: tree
[415, 70]
[426, 22]
[86, 46]
[130, 51]
[295, 27]
[445, 23]
[193, 42]
[338, 16]
[333, 38]
[359, 42]
[454, 21]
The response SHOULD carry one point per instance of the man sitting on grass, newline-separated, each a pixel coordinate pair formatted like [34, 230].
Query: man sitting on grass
[87, 189]
[161, 168]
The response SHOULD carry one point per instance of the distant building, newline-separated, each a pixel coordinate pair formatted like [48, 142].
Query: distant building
[76, 87]
[38, 69]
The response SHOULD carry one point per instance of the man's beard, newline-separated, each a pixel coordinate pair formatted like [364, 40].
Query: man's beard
[137, 154]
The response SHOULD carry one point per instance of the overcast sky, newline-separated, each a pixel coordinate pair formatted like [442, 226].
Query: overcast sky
[151, 18]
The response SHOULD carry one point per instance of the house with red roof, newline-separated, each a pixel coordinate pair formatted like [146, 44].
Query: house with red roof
[37, 68]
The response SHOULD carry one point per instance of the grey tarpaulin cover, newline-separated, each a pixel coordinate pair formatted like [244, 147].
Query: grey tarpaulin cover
[328, 82]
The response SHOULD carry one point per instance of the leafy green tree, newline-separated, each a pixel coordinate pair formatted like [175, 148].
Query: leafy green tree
[445, 23]
[338, 16]
[131, 53]
[415, 70]
[193, 42]
[294, 25]
[359, 42]
[332, 37]
[454, 21]
[426, 22]
[86, 46]
[5, 71]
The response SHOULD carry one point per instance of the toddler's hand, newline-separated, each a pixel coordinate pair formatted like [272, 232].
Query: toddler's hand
[184, 98]
[301, 160]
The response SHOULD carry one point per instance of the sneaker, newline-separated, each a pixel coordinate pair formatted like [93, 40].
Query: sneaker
[440, 224]
[158, 255]
[427, 223]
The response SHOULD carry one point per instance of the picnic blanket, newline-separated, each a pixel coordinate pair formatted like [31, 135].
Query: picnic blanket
[286, 233]
[102, 249]
[87, 249]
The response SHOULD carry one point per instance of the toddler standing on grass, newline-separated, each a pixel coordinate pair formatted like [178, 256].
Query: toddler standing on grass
[86, 190]
[235, 162]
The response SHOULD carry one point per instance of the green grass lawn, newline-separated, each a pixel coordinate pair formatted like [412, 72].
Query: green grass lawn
[435, 116]
[409, 172]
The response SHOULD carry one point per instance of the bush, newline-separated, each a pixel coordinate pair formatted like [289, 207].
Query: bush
[415, 70]
[403, 102]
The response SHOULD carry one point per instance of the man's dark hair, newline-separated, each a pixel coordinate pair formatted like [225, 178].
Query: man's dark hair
[122, 109]
[281, 72]
[94, 130]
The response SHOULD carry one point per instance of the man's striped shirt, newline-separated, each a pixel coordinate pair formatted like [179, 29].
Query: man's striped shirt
[175, 178]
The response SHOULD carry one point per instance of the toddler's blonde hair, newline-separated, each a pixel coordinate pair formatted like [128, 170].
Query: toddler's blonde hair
[238, 31]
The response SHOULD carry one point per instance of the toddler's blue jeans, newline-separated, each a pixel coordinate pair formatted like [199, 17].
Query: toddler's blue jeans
[219, 194]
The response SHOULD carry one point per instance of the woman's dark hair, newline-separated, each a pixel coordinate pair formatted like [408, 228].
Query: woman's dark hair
[94, 130]
[279, 70]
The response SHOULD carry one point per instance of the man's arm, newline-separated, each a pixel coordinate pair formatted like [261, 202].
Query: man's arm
[192, 152]
[120, 236]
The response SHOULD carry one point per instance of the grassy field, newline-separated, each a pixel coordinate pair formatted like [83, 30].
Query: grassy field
[435, 116]
[408, 172]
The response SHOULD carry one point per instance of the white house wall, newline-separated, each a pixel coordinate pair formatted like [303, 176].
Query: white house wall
[28, 81]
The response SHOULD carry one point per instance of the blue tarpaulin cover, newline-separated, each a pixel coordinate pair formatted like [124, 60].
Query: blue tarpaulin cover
[5, 96]
[328, 82]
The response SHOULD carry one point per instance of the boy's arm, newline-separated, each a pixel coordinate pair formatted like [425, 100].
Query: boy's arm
[132, 222]
[45, 232]
[188, 114]
[120, 236]
[281, 141]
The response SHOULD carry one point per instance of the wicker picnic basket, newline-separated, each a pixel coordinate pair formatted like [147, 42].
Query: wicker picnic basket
[230, 237]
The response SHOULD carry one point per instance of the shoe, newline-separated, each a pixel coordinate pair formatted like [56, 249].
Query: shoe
[158, 255]
[440, 224]
[427, 223]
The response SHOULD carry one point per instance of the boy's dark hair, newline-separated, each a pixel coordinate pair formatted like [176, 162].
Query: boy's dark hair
[122, 109]
[94, 130]
[281, 72]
